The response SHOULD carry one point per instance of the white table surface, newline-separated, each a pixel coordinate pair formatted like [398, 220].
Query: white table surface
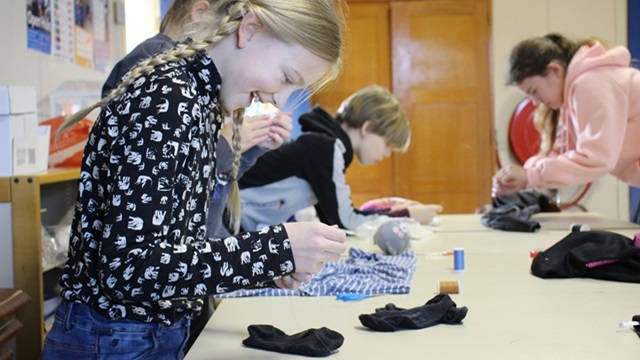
[512, 314]
[548, 221]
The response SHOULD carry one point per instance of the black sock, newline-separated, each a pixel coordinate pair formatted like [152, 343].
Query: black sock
[312, 342]
[636, 328]
[440, 309]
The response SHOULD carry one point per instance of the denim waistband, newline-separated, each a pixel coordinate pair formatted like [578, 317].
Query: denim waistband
[82, 315]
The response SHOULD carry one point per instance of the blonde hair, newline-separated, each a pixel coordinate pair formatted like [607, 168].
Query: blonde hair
[379, 106]
[178, 15]
[316, 25]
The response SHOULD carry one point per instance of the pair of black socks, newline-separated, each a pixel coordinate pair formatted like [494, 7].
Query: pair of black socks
[323, 342]
[440, 309]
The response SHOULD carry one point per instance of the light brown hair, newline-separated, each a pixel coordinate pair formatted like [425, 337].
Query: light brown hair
[382, 109]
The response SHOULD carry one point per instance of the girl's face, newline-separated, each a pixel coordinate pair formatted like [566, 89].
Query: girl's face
[372, 148]
[546, 89]
[266, 68]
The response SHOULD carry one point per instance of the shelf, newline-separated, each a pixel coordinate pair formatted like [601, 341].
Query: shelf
[51, 176]
[28, 196]
[5, 189]
[59, 175]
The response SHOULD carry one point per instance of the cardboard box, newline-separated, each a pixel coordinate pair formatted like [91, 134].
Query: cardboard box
[17, 100]
[42, 154]
[11, 127]
[18, 130]
[24, 155]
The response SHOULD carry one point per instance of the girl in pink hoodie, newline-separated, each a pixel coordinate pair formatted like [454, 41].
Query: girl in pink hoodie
[588, 113]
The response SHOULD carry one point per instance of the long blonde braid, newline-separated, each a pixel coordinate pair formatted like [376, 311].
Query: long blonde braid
[233, 201]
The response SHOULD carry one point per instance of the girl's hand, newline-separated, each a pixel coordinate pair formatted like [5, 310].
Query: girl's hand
[254, 130]
[293, 281]
[279, 131]
[509, 179]
[313, 244]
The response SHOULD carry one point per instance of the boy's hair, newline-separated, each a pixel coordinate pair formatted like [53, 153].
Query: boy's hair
[379, 106]
[316, 25]
[531, 57]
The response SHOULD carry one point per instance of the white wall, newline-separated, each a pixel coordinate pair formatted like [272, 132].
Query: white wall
[145, 14]
[514, 20]
[6, 247]
[22, 66]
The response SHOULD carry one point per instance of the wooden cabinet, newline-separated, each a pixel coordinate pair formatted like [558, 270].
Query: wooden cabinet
[367, 61]
[434, 56]
[35, 200]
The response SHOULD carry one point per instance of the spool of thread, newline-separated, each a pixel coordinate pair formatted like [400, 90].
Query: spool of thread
[448, 287]
[458, 259]
[579, 227]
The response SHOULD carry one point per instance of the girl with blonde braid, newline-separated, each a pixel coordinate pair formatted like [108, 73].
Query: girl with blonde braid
[258, 133]
[139, 261]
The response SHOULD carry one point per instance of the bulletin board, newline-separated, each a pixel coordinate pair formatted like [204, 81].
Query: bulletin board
[71, 30]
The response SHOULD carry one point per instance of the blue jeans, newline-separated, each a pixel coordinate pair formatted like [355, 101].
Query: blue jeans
[80, 333]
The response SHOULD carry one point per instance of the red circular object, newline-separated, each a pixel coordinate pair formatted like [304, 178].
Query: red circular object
[524, 138]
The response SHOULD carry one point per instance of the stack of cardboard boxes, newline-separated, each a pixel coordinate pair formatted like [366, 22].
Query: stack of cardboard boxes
[22, 150]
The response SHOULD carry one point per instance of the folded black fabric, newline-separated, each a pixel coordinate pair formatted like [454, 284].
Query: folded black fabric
[594, 254]
[636, 328]
[440, 309]
[312, 342]
[512, 212]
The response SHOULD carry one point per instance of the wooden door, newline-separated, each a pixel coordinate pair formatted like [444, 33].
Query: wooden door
[367, 62]
[441, 73]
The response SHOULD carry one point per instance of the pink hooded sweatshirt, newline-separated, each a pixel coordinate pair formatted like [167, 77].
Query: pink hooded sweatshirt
[599, 125]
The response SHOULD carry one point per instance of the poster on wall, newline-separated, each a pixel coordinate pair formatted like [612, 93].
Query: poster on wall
[84, 33]
[39, 25]
[63, 30]
[101, 49]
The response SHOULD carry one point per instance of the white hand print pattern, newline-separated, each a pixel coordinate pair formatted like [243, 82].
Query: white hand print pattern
[137, 246]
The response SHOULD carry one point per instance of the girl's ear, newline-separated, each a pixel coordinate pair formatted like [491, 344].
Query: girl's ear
[198, 8]
[249, 26]
[555, 69]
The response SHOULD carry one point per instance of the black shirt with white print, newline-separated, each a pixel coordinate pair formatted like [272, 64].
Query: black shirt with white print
[138, 248]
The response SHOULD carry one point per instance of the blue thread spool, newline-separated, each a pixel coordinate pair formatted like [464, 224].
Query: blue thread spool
[458, 259]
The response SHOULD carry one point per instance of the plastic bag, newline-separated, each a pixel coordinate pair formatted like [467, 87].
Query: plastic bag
[55, 244]
[67, 149]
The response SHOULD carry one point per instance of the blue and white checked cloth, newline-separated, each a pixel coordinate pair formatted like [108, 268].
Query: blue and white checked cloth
[362, 273]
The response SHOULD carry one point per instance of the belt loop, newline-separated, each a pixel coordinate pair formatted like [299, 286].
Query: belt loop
[66, 324]
[159, 329]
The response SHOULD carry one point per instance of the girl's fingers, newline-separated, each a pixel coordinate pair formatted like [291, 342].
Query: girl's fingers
[303, 277]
